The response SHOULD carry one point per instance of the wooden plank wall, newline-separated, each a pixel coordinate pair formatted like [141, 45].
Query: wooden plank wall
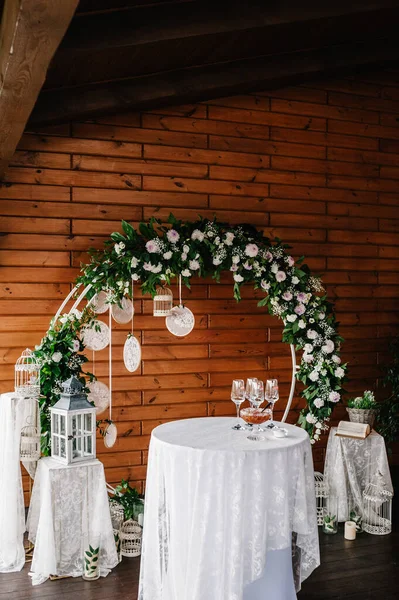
[317, 165]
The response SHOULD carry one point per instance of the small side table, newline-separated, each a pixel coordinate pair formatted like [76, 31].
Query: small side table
[69, 512]
[350, 466]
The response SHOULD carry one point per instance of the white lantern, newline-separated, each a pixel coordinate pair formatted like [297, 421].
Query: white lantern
[27, 375]
[73, 425]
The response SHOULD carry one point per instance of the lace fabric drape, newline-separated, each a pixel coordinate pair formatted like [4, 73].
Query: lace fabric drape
[69, 511]
[350, 466]
[216, 503]
[14, 413]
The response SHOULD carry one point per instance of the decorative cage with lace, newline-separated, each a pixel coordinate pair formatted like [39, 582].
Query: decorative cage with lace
[321, 490]
[163, 302]
[27, 375]
[117, 514]
[29, 444]
[130, 535]
[377, 507]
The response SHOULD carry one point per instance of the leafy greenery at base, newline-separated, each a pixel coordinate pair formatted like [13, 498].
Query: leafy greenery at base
[129, 498]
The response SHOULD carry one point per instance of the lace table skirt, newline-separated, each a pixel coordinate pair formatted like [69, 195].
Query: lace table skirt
[217, 503]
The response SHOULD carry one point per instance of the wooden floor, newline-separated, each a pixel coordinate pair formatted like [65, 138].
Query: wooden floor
[366, 569]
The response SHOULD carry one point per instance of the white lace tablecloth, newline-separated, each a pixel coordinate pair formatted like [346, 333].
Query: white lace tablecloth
[350, 466]
[14, 412]
[69, 511]
[217, 503]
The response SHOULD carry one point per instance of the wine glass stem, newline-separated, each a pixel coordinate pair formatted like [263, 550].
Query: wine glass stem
[238, 410]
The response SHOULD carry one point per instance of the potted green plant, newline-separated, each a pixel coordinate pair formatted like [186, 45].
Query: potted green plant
[130, 499]
[363, 409]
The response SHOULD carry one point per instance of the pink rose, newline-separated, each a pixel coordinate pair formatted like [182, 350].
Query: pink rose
[287, 296]
[299, 309]
[290, 261]
[281, 276]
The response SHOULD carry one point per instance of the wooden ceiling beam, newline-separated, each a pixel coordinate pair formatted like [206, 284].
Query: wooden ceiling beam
[155, 23]
[30, 33]
[204, 83]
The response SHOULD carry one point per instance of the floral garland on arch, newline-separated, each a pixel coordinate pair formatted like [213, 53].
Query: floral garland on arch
[157, 253]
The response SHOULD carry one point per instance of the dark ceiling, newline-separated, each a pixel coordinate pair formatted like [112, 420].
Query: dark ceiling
[130, 54]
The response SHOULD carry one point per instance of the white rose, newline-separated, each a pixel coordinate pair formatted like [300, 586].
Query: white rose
[312, 334]
[339, 372]
[194, 265]
[311, 418]
[321, 316]
[235, 260]
[135, 277]
[328, 347]
[186, 248]
[184, 256]
[197, 235]
[251, 250]
[238, 278]
[336, 359]
[319, 403]
[186, 273]
[308, 348]
[229, 238]
[314, 376]
[134, 262]
[274, 268]
[167, 255]
[56, 357]
[292, 318]
[216, 261]
[301, 324]
[295, 280]
[307, 358]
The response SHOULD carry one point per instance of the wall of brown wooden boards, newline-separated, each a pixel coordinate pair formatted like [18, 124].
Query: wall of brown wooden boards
[317, 165]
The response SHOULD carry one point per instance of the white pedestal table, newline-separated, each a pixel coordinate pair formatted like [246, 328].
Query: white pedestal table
[14, 412]
[221, 511]
[69, 511]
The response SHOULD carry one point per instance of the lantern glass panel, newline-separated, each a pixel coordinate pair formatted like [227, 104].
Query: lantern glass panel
[55, 423]
[88, 445]
[88, 423]
[79, 424]
[74, 425]
[56, 445]
[62, 424]
[74, 449]
[62, 448]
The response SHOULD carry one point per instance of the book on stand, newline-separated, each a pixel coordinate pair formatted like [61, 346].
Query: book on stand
[353, 430]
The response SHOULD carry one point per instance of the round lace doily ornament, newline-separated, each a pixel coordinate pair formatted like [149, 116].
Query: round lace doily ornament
[181, 321]
[99, 394]
[96, 340]
[111, 433]
[99, 303]
[123, 314]
[132, 354]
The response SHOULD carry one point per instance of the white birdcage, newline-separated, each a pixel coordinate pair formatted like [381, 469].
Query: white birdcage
[117, 514]
[27, 375]
[163, 302]
[321, 490]
[377, 507]
[73, 425]
[130, 535]
[29, 444]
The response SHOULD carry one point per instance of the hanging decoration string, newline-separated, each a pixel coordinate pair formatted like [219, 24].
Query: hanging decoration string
[180, 302]
[132, 306]
[110, 363]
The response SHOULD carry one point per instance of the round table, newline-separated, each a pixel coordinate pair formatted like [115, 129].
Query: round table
[220, 509]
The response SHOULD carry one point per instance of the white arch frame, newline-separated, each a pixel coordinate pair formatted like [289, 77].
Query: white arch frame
[83, 294]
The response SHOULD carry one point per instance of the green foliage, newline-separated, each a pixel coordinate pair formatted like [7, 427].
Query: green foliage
[129, 498]
[367, 401]
[388, 409]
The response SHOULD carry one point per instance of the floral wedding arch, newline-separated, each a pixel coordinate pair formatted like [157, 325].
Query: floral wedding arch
[157, 253]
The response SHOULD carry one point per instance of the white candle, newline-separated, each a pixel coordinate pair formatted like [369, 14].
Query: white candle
[140, 519]
[350, 530]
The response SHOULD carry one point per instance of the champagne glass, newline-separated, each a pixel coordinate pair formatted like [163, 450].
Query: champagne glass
[238, 397]
[272, 395]
[258, 394]
[250, 388]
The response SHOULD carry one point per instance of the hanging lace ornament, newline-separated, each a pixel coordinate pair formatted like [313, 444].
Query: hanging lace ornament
[99, 394]
[99, 303]
[96, 337]
[123, 314]
[132, 353]
[110, 435]
[132, 349]
[163, 302]
[181, 320]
